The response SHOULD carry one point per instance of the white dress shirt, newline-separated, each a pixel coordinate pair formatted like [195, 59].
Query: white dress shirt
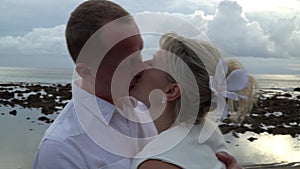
[84, 136]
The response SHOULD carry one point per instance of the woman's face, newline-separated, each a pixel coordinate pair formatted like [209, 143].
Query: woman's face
[151, 78]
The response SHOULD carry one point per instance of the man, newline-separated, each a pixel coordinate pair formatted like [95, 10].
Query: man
[76, 139]
[66, 143]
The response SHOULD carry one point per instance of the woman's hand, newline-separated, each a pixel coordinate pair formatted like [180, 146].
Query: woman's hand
[229, 160]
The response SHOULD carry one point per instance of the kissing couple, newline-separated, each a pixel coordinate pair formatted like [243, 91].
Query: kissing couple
[126, 113]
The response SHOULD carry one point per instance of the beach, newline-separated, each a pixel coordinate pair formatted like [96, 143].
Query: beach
[276, 114]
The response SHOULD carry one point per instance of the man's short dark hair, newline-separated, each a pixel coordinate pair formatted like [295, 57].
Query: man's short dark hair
[86, 19]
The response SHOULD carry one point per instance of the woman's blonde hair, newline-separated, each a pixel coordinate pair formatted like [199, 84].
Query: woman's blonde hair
[201, 57]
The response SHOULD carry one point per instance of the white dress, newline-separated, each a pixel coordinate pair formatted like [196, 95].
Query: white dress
[182, 147]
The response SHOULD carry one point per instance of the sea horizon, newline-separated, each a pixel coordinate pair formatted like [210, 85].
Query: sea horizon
[10, 74]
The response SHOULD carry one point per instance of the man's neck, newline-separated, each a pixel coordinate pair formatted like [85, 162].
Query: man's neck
[98, 93]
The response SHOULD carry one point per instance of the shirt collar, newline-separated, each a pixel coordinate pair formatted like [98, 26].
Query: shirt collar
[95, 105]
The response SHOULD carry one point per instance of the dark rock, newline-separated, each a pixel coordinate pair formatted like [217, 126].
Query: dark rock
[234, 134]
[6, 95]
[45, 119]
[68, 86]
[4, 102]
[2, 113]
[13, 112]
[297, 89]
[225, 128]
[48, 110]
[34, 98]
[298, 97]
[28, 118]
[241, 129]
[9, 84]
[251, 139]
[34, 88]
[287, 95]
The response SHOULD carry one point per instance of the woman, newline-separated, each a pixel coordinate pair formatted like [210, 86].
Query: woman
[191, 89]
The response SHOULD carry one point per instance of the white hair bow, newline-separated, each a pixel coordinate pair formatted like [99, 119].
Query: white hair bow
[223, 87]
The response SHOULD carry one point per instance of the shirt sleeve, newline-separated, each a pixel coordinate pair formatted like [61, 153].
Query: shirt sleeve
[55, 155]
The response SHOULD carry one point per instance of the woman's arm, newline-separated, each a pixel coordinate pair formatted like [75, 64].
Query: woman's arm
[230, 161]
[157, 164]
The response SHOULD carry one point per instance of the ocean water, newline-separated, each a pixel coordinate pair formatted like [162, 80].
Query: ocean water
[19, 74]
[20, 135]
[279, 82]
[35, 75]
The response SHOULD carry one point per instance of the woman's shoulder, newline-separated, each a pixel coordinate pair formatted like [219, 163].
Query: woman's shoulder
[164, 145]
[170, 146]
[165, 140]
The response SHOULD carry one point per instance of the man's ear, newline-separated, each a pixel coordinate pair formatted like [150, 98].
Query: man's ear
[173, 92]
[83, 70]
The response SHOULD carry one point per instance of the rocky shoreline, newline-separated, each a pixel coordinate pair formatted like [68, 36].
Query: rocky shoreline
[276, 112]
[48, 98]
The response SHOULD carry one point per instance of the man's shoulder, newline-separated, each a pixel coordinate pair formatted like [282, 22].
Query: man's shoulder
[53, 153]
[62, 141]
[64, 126]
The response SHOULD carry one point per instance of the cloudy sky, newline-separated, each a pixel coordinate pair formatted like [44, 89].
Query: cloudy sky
[263, 34]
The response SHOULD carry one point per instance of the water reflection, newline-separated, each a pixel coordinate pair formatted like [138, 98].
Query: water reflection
[264, 148]
[282, 147]
[20, 137]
